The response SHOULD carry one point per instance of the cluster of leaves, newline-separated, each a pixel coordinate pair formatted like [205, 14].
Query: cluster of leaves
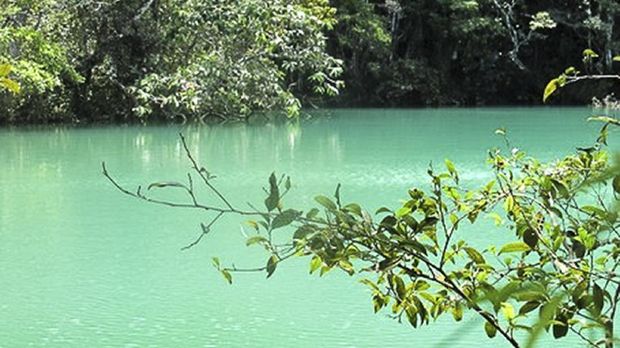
[38, 59]
[6, 82]
[168, 59]
[237, 59]
[556, 269]
[561, 260]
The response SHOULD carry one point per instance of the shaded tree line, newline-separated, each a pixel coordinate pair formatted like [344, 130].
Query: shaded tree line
[454, 52]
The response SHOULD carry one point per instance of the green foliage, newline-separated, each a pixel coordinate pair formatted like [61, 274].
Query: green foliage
[465, 52]
[5, 81]
[39, 61]
[166, 59]
[231, 62]
[555, 271]
[560, 257]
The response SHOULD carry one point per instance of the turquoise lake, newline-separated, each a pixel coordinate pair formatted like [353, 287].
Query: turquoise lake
[82, 265]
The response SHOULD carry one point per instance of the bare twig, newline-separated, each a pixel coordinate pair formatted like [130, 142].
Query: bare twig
[205, 230]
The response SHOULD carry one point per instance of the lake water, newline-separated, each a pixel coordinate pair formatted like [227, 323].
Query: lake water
[83, 266]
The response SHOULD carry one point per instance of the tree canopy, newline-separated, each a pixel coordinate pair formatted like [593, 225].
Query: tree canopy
[176, 60]
[165, 59]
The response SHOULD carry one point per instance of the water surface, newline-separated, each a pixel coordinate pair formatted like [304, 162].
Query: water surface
[83, 266]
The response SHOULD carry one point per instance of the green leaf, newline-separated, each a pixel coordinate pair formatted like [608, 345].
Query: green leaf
[490, 329]
[570, 71]
[474, 255]
[382, 210]
[271, 265]
[497, 219]
[337, 194]
[547, 312]
[216, 262]
[302, 232]
[252, 224]
[315, 263]
[346, 266]
[226, 274]
[616, 58]
[457, 312]
[450, 166]
[403, 211]
[528, 307]
[272, 201]
[163, 184]
[284, 219]
[561, 188]
[589, 53]
[312, 213]
[509, 204]
[552, 86]
[255, 239]
[598, 299]
[530, 237]
[5, 70]
[11, 85]
[560, 330]
[616, 184]
[515, 247]
[605, 119]
[354, 208]
[378, 302]
[326, 202]
[508, 311]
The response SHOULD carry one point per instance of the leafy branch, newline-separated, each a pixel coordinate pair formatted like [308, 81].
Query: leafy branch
[561, 256]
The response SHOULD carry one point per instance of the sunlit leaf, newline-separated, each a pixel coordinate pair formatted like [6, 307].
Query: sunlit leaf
[10, 85]
[226, 274]
[5, 70]
[326, 202]
[255, 239]
[514, 248]
[551, 87]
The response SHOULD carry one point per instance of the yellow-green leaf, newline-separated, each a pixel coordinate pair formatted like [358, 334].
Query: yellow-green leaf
[509, 204]
[5, 70]
[10, 85]
[515, 247]
[508, 311]
[605, 119]
[589, 53]
[315, 263]
[552, 86]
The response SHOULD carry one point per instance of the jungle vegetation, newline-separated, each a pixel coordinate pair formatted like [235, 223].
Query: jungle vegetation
[557, 272]
[136, 60]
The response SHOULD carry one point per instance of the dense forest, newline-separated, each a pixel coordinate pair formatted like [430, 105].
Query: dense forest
[83, 60]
